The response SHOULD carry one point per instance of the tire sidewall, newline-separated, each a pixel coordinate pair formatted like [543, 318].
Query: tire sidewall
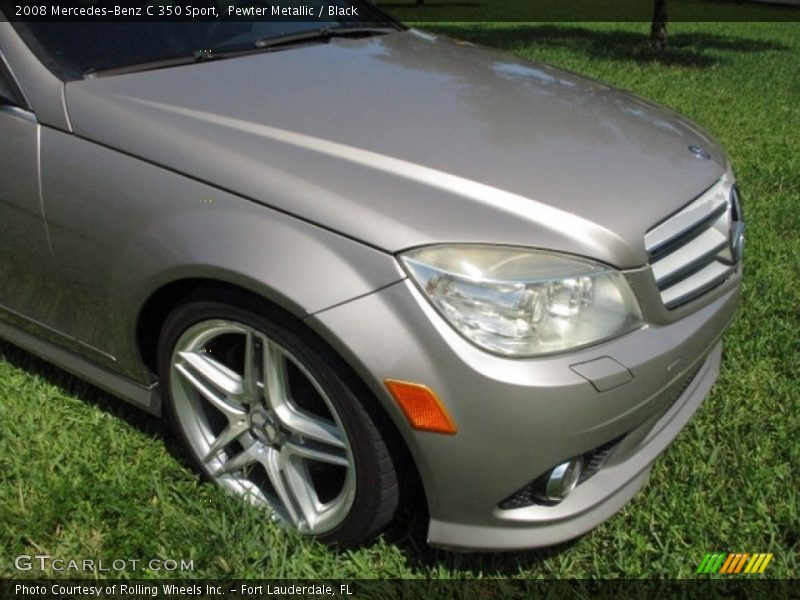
[361, 433]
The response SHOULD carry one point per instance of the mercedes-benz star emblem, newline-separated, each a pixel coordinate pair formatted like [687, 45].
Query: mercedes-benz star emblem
[699, 152]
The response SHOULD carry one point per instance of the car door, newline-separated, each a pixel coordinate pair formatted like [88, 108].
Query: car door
[26, 263]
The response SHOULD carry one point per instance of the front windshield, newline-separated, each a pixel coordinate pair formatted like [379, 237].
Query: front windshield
[80, 48]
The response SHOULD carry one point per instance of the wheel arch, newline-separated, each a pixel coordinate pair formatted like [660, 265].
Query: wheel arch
[162, 301]
[158, 306]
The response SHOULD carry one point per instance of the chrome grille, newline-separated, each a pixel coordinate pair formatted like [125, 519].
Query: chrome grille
[692, 251]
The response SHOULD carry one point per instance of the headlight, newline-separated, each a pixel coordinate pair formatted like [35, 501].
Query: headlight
[524, 302]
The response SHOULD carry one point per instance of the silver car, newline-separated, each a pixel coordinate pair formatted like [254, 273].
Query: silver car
[346, 258]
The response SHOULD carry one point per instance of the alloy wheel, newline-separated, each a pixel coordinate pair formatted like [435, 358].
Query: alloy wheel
[261, 424]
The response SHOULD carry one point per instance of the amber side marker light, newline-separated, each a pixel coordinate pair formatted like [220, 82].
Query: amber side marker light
[421, 406]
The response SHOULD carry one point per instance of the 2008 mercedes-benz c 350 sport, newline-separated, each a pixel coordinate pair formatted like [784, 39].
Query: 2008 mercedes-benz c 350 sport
[345, 257]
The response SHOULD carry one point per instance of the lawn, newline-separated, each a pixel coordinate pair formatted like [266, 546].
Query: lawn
[84, 476]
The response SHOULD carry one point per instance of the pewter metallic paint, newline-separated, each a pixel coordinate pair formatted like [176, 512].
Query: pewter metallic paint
[398, 126]
[298, 174]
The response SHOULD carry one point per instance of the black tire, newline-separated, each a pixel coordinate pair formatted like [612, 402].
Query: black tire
[320, 412]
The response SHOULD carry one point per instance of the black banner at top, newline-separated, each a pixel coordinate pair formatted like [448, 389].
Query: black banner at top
[410, 11]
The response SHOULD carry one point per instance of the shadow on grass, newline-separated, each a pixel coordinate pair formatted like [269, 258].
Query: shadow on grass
[698, 50]
[408, 531]
[138, 419]
[409, 534]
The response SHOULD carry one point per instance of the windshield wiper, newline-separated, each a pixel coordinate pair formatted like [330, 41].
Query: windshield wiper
[163, 63]
[319, 35]
[265, 44]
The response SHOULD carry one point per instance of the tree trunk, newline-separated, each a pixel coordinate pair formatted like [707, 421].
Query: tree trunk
[658, 30]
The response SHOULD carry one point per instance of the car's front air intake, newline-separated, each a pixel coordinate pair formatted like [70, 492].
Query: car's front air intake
[698, 247]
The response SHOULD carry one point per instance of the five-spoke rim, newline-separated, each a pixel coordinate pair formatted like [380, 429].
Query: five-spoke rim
[262, 426]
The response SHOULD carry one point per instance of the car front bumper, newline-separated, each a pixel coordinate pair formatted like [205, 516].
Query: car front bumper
[518, 418]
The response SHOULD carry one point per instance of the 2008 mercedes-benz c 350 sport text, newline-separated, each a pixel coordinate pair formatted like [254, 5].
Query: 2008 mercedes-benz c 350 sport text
[347, 256]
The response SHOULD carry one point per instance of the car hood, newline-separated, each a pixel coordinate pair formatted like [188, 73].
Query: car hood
[409, 139]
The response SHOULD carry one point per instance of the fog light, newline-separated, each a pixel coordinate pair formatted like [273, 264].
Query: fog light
[562, 479]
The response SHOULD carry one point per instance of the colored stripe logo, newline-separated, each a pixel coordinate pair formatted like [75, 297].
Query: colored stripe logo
[734, 562]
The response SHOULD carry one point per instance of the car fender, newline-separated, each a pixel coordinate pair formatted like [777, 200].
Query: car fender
[159, 226]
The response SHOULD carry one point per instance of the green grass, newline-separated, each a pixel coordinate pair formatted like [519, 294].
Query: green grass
[84, 476]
